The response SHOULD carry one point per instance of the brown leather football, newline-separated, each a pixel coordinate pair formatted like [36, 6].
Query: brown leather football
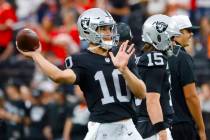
[27, 40]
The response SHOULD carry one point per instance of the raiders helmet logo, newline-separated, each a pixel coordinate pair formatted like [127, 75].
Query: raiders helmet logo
[85, 23]
[160, 26]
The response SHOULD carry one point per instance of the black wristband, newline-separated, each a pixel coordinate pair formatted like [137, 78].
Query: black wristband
[159, 126]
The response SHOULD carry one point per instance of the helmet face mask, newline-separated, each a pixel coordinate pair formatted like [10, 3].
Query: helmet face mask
[158, 31]
[90, 25]
[107, 35]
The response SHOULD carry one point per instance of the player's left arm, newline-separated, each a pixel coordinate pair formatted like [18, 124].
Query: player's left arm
[190, 94]
[120, 61]
[193, 104]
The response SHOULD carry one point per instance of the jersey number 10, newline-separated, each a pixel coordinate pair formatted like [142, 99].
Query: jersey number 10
[107, 98]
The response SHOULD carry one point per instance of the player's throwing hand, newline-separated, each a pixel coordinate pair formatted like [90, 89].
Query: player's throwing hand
[29, 53]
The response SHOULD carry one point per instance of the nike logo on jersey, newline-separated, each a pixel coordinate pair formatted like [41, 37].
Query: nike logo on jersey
[137, 59]
[107, 60]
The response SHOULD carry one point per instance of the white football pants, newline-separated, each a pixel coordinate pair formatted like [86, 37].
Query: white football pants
[121, 130]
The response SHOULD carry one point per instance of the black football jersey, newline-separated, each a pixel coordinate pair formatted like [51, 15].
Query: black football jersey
[154, 71]
[181, 67]
[104, 88]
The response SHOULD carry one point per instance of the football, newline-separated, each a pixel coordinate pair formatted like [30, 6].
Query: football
[27, 40]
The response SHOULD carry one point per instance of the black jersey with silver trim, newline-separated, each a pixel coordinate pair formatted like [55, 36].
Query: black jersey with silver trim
[154, 71]
[105, 90]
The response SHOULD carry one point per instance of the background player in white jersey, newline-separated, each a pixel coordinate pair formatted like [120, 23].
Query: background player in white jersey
[106, 80]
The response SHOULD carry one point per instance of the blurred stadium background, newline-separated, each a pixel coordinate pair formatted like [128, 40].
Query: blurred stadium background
[32, 107]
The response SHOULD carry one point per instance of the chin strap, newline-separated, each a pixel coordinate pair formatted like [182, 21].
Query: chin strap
[106, 44]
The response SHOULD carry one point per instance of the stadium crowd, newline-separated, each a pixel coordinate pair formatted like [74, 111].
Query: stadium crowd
[34, 107]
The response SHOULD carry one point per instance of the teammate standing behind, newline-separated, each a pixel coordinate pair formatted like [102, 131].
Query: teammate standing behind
[184, 96]
[125, 34]
[102, 77]
[154, 114]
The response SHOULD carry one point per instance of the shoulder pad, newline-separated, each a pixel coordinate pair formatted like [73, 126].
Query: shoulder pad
[78, 59]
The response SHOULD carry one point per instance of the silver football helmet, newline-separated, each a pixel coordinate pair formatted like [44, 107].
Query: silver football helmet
[90, 21]
[158, 31]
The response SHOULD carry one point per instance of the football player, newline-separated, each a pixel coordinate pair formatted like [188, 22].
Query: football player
[184, 96]
[154, 113]
[106, 80]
